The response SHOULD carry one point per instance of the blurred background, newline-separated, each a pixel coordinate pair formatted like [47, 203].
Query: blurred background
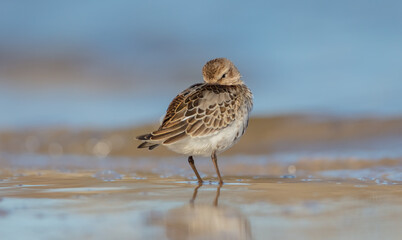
[322, 156]
[110, 64]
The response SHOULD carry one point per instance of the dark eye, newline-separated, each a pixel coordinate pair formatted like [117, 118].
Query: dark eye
[224, 75]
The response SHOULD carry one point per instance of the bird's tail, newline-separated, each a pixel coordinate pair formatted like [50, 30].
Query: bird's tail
[146, 144]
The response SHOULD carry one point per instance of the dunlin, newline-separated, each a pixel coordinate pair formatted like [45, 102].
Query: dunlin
[206, 118]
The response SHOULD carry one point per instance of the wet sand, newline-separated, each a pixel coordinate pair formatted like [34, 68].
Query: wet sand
[310, 179]
[56, 205]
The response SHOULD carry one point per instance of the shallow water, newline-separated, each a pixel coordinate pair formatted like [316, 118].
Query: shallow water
[158, 198]
[170, 209]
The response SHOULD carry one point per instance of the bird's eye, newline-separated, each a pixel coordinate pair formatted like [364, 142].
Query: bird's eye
[224, 75]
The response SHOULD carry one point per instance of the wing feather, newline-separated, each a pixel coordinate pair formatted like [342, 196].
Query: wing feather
[198, 111]
[193, 127]
[169, 133]
[213, 110]
[175, 138]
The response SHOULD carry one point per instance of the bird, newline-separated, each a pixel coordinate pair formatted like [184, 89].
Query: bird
[206, 118]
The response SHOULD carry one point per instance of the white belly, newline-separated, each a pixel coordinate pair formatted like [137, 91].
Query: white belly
[219, 142]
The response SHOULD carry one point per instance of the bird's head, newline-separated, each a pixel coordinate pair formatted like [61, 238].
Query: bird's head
[221, 71]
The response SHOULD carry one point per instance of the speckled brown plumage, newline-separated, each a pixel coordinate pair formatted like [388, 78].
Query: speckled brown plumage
[201, 110]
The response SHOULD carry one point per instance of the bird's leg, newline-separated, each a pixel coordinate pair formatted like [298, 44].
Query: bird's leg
[191, 162]
[215, 161]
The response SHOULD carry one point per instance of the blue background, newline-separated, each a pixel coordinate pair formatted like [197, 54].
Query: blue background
[119, 63]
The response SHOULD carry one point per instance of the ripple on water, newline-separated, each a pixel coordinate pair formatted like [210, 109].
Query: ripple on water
[108, 175]
[380, 175]
[395, 176]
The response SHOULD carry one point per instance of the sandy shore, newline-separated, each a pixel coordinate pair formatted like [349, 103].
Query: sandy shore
[265, 135]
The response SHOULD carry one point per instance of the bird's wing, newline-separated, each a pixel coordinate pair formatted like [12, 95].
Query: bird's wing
[200, 110]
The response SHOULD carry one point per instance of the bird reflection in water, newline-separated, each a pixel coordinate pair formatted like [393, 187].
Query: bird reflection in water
[218, 192]
[203, 221]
